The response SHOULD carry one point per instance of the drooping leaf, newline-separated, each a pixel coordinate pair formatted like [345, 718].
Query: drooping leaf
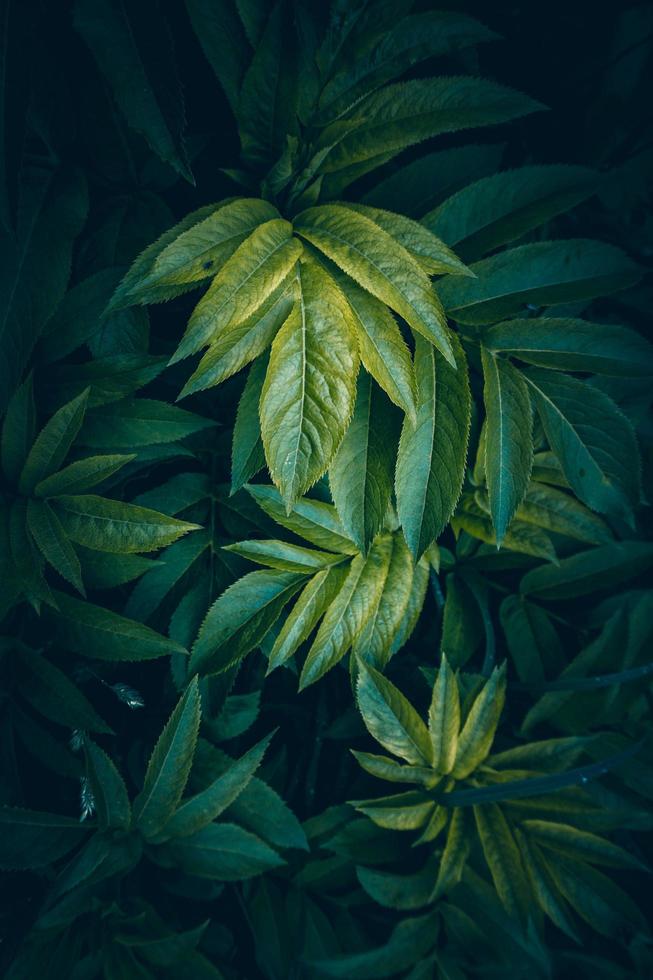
[508, 439]
[309, 389]
[256, 268]
[573, 345]
[148, 92]
[381, 265]
[501, 208]
[432, 452]
[455, 854]
[540, 274]
[593, 440]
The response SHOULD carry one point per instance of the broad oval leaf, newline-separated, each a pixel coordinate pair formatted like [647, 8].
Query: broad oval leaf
[309, 390]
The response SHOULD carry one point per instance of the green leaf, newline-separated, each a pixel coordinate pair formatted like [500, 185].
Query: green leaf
[413, 39]
[436, 258]
[350, 611]
[147, 91]
[111, 798]
[130, 290]
[81, 475]
[593, 440]
[595, 898]
[391, 719]
[247, 453]
[398, 891]
[139, 422]
[561, 513]
[462, 628]
[508, 439]
[473, 518]
[579, 844]
[309, 390]
[115, 526]
[266, 109]
[34, 840]
[503, 207]
[408, 943]
[444, 718]
[198, 811]
[503, 859]
[433, 451]
[18, 430]
[383, 351]
[573, 345]
[531, 636]
[414, 606]
[477, 735]
[256, 268]
[243, 341]
[156, 584]
[104, 635]
[169, 765]
[384, 767]
[313, 520]
[52, 443]
[381, 265]
[539, 274]
[111, 377]
[223, 852]
[221, 35]
[282, 555]
[455, 854]
[51, 540]
[315, 598]
[53, 695]
[542, 885]
[239, 619]
[199, 251]
[374, 643]
[36, 265]
[361, 474]
[406, 113]
[590, 571]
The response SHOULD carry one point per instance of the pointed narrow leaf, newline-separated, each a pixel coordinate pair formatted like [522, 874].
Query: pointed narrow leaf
[18, 429]
[31, 839]
[311, 605]
[503, 859]
[115, 526]
[391, 719]
[199, 810]
[444, 718]
[375, 641]
[51, 540]
[104, 635]
[239, 619]
[349, 612]
[508, 439]
[81, 475]
[361, 474]
[109, 790]
[53, 442]
[255, 269]
[455, 854]
[53, 695]
[313, 520]
[222, 851]
[477, 735]
[169, 765]
[282, 555]
[247, 453]
[433, 452]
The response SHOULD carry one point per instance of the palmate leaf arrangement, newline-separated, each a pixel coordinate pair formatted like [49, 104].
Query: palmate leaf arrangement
[429, 418]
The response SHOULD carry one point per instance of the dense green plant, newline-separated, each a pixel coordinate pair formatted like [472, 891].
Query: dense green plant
[434, 455]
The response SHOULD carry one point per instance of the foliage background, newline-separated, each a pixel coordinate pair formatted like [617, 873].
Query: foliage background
[591, 65]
